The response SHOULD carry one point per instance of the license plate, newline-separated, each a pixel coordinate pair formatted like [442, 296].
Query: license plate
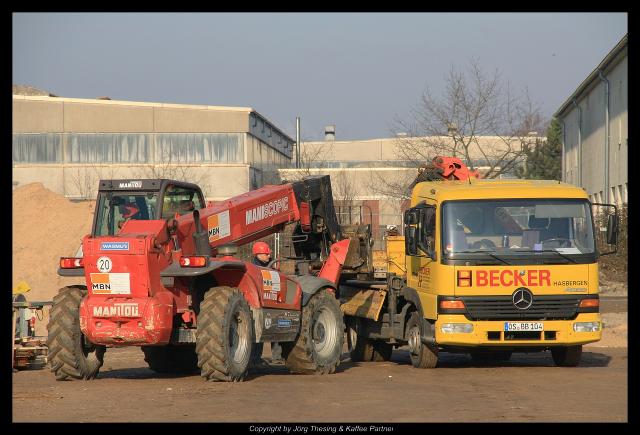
[523, 326]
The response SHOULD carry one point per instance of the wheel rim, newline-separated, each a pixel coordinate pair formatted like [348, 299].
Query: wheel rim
[238, 337]
[415, 341]
[324, 334]
[353, 334]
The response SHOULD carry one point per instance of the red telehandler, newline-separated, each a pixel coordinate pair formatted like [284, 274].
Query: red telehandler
[161, 272]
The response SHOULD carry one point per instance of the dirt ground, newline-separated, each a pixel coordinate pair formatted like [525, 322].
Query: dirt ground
[528, 388]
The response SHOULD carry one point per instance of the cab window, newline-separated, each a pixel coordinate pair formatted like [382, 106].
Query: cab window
[180, 200]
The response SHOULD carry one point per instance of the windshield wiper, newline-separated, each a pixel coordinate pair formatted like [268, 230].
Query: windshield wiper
[482, 251]
[553, 251]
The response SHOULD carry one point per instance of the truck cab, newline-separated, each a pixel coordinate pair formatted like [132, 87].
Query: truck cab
[485, 267]
[502, 266]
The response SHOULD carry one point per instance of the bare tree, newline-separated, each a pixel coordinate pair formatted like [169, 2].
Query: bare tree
[314, 157]
[393, 182]
[345, 193]
[166, 167]
[85, 179]
[473, 105]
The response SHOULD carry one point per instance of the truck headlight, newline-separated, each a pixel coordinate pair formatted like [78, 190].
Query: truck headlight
[586, 326]
[453, 328]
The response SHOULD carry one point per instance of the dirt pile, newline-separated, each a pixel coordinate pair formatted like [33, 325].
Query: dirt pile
[613, 287]
[46, 226]
[615, 330]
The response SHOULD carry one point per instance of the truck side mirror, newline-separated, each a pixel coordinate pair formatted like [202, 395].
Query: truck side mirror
[612, 229]
[410, 240]
[611, 234]
[411, 217]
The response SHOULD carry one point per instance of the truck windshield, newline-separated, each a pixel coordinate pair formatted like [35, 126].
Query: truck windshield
[517, 226]
[114, 209]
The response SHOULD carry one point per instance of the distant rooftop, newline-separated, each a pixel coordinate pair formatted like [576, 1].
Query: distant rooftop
[31, 90]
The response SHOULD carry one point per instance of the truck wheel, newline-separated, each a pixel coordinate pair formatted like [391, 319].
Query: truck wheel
[422, 356]
[483, 357]
[566, 356]
[319, 344]
[225, 336]
[70, 353]
[171, 359]
[363, 349]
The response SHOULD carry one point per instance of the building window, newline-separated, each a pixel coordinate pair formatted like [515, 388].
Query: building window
[200, 148]
[108, 148]
[37, 148]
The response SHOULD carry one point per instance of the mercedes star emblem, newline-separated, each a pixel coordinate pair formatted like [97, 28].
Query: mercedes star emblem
[522, 298]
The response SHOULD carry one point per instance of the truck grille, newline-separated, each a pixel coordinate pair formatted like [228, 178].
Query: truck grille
[558, 307]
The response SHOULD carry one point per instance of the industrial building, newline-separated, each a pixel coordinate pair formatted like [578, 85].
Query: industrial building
[375, 174]
[595, 130]
[68, 144]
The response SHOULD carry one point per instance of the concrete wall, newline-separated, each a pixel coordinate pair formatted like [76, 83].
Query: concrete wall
[66, 115]
[37, 116]
[388, 149]
[618, 127]
[199, 121]
[592, 103]
[43, 114]
[81, 181]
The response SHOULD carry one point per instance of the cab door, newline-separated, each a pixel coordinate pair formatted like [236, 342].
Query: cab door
[422, 254]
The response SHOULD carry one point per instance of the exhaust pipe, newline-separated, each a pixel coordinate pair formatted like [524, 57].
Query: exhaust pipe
[200, 237]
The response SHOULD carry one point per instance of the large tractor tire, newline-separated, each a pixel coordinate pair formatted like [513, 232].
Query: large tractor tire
[422, 356]
[171, 359]
[318, 347]
[225, 335]
[567, 356]
[362, 349]
[71, 355]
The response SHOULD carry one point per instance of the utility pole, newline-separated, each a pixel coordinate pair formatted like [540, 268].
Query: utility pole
[297, 142]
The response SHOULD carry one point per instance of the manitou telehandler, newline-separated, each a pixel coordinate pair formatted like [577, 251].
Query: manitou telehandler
[161, 273]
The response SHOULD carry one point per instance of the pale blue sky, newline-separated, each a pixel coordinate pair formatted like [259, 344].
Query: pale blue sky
[355, 70]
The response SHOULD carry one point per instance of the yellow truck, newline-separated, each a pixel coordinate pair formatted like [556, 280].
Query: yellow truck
[488, 268]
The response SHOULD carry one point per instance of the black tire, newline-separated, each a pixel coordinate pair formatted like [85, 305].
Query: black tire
[318, 347]
[362, 349]
[567, 356]
[257, 364]
[422, 356]
[71, 355]
[171, 359]
[488, 357]
[256, 354]
[225, 335]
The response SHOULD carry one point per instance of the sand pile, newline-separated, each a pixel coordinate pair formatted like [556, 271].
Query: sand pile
[46, 226]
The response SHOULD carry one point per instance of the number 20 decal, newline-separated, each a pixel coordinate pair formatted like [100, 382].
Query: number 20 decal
[104, 264]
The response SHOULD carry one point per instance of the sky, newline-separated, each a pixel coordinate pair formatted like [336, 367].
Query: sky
[357, 71]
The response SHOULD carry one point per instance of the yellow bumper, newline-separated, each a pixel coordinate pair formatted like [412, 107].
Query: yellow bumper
[561, 331]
